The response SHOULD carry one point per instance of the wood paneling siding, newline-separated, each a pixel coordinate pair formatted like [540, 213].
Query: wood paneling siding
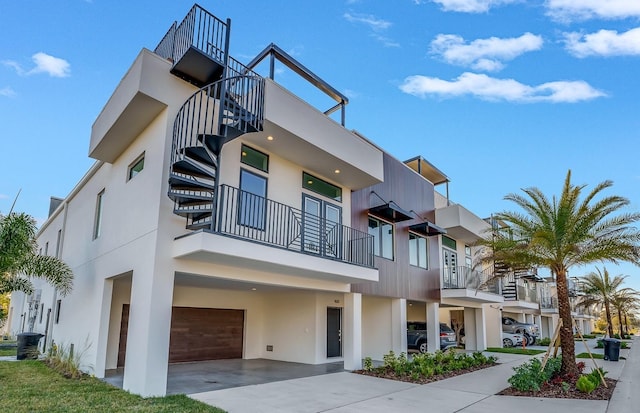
[411, 192]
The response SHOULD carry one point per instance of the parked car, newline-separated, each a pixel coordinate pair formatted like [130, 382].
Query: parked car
[512, 340]
[530, 331]
[417, 336]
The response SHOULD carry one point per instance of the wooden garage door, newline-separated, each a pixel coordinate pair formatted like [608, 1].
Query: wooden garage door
[197, 334]
[205, 334]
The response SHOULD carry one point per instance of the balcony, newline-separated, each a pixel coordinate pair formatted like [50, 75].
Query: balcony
[461, 224]
[463, 283]
[256, 232]
[549, 304]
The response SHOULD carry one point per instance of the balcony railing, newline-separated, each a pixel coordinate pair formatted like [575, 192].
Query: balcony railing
[248, 216]
[527, 294]
[549, 303]
[199, 29]
[465, 277]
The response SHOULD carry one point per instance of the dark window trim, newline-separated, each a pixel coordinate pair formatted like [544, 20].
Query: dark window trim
[97, 224]
[251, 165]
[393, 247]
[262, 225]
[426, 239]
[133, 164]
[312, 189]
[58, 305]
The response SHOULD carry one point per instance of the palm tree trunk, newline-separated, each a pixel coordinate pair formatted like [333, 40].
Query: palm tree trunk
[620, 321]
[626, 323]
[607, 311]
[566, 332]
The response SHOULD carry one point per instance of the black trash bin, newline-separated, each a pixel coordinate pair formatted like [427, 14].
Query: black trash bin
[611, 349]
[28, 345]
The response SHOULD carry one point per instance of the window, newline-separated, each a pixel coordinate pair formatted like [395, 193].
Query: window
[449, 242]
[468, 261]
[41, 311]
[252, 205]
[46, 248]
[321, 187]
[321, 227]
[97, 226]
[58, 304]
[418, 251]
[58, 243]
[255, 158]
[136, 167]
[382, 238]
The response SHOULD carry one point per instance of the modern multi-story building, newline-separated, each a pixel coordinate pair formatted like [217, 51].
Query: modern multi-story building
[225, 217]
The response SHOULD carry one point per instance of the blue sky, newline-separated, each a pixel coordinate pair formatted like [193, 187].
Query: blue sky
[498, 94]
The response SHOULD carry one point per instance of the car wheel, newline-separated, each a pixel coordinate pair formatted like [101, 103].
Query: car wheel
[528, 340]
[422, 346]
[506, 342]
[531, 340]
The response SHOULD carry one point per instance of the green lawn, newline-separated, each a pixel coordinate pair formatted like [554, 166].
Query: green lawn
[8, 351]
[514, 350]
[31, 386]
[595, 356]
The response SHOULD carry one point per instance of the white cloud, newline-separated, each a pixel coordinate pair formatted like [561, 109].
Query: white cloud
[604, 43]
[483, 54]
[44, 63]
[471, 6]
[568, 10]
[7, 92]
[53, 66]
[373, 22]
[492, 89]
[385, 40]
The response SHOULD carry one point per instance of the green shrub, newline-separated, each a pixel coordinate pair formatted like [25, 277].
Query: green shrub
[544, 341]
[530, 376]
[368, 364]
[63, 358]
[423, 366]
[585, 384]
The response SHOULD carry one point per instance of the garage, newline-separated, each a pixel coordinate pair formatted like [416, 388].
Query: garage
[197, 334]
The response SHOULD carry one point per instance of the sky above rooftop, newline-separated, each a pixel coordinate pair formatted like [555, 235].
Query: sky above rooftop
[498, 94]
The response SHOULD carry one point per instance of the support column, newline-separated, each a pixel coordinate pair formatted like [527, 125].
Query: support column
[481, 329]
[399, 325]
[103, 328]
[522, 317]
[147, 358]
[352, 331]
[470, 329]
[433, 326]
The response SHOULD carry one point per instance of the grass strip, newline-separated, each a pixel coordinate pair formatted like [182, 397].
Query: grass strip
[515, 350]
[31, 386]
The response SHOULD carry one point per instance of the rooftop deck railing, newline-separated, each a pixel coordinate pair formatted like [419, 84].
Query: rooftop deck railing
[248, 216]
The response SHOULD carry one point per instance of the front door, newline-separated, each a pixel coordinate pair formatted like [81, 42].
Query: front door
[334, 332]
[321, 234]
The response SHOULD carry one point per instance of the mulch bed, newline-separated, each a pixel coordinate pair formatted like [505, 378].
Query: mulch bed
[391, 375]
[556, 391]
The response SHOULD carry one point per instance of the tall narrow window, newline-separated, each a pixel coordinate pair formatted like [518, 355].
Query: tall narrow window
[58, 243]
[382, 238]
[468, 261]
[253, 200]
[418, 251]
[46, 248]
[58, 305]
[136, 167]
[97, 226]
[41, 311]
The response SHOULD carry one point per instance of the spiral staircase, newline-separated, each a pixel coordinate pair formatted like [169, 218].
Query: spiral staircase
[229, 104]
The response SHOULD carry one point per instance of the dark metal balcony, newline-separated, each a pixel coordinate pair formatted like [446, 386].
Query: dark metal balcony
[253, 218]
[465, 277]
[198, 47]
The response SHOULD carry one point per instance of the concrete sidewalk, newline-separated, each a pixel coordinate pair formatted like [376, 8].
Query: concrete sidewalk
[469, 393]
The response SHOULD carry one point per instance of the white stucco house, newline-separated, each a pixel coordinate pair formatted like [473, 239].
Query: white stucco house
[225, 217]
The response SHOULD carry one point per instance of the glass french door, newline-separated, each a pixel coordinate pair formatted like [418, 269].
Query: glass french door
[321, 227]
[450, 276]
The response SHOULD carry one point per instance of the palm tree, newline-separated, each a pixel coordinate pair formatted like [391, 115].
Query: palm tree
[560, 233]
[600, 289]
[19, 260]
[624, 301]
